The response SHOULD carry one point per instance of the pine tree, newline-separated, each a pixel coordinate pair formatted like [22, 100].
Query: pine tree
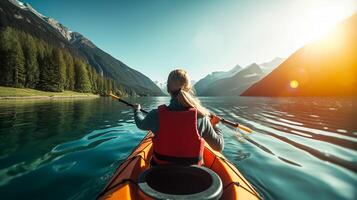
[100, 86]
[41, 60]
[109, 86]
[82, 79]
[93, 80]
[47, 80]
[19, 65]
[31, 64]
[70, 73]
[6, 68]
[12, 61]
[60, 69]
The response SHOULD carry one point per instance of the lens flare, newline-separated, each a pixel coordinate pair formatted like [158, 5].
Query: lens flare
[294, 84]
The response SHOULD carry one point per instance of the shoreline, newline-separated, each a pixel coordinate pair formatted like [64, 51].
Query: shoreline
[49, 97]
[10, 93]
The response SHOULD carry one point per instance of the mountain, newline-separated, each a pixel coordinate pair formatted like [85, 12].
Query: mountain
[162, 86]
[202, 84]
[236, 80]
[23, 17]
[108, 66]
[236, 84]
[267, 67]
[325, 67]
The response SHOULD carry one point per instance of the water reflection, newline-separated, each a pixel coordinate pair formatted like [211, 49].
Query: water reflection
[307, 134]
[305, 143]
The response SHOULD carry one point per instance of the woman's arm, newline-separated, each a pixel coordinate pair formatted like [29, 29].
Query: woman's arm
[148, 122]
[212, 135]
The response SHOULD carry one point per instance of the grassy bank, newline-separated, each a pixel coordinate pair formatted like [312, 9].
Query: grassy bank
[22, 93]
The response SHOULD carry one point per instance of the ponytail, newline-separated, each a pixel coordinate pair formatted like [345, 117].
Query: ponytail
[179, 86]
[186, 99]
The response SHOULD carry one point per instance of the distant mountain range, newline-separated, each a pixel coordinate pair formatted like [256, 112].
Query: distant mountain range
[326, 67]
[202, 85]
[234, 81]
[163, 86]
[22, 16]
[267, 67]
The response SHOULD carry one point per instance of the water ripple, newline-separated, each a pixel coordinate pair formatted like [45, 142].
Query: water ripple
[301, 148]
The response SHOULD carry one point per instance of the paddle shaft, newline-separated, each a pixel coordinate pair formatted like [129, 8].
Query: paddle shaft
[127, 103]
[224, 121]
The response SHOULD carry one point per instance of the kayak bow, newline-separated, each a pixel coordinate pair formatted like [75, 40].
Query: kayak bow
[124, 182]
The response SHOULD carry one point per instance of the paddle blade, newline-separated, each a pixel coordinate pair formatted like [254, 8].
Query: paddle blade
[244, 128]
[236, 125]
[241, 135]
[112, 95]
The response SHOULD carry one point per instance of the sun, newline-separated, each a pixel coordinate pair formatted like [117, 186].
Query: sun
[294, 84]
[322, 16]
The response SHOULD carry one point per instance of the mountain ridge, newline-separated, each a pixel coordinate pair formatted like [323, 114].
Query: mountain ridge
[236, 84]
[203, 83]
[109, 66]
[52, 31]
[324, 67]
[207, 86]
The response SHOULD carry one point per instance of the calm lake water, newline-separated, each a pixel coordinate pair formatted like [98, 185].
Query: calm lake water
[301, 148]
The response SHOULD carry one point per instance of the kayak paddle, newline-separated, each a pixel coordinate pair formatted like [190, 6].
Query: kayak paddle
[126, 103]
[235, 125]
[224, 121]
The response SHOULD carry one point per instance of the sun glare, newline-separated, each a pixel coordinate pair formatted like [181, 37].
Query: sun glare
[326, 17]
[321, 17]
[319, 26]
[294, 84]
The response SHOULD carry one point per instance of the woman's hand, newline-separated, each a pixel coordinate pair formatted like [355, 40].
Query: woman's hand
[214, 120]
[137, 107]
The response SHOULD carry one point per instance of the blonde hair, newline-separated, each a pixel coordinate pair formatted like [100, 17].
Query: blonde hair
[179, 86]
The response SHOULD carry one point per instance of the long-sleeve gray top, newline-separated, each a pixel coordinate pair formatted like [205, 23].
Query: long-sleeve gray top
[212, 135]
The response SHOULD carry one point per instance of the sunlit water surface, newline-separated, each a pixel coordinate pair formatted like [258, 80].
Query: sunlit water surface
[301, 148]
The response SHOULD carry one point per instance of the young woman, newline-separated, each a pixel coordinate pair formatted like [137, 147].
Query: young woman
[182, 127]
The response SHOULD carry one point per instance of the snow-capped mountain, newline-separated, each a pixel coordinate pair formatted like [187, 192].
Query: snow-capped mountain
[19, 4]
[63, 30]
[236, 80]
[79, 38]
[203, 83]
[162, 86]
[234, 85]
[267, 67]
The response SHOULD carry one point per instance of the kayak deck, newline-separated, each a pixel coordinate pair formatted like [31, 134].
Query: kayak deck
[123, 184]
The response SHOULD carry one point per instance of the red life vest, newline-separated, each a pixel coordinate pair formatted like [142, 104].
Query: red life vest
[178, 140]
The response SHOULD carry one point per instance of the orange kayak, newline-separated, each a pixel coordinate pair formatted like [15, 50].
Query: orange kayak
[124, 182]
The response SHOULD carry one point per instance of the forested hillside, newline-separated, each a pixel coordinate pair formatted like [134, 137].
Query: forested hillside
[26, 61]
[112, 68]
[54, 44]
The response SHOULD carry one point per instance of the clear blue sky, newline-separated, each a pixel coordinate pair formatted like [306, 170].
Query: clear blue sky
[201, 36]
